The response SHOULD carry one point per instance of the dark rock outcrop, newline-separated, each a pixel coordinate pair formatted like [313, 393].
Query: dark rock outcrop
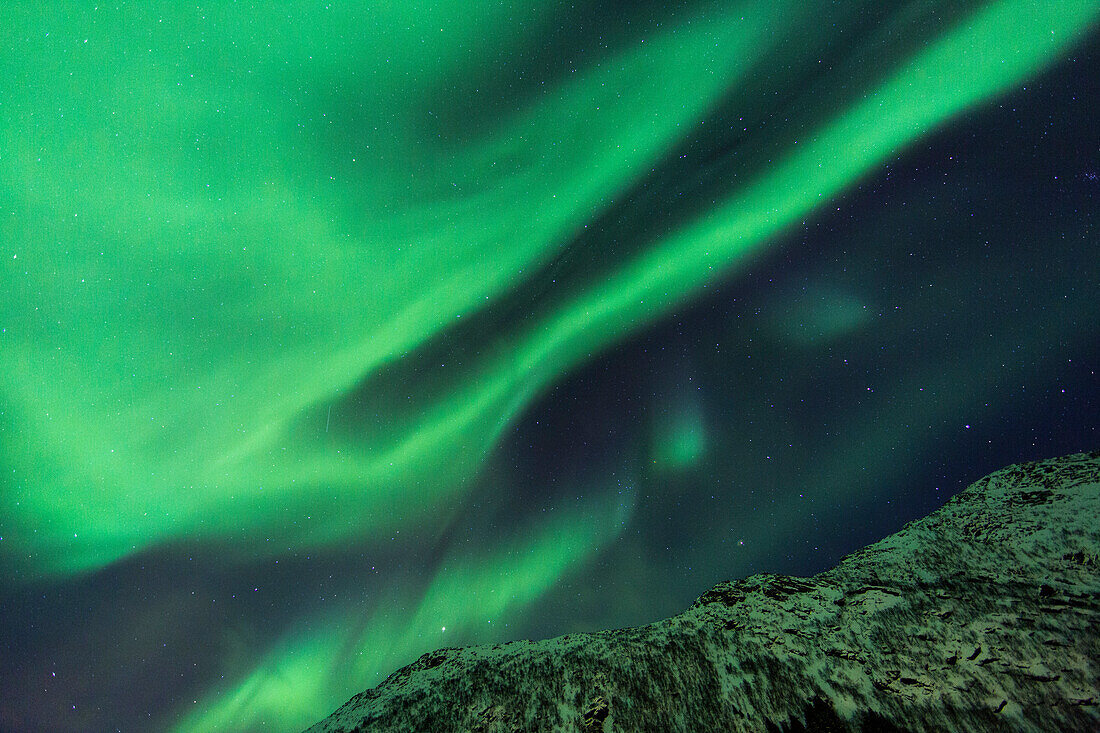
[983, 616]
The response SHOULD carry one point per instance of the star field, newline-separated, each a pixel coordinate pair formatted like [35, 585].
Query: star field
[335, 333]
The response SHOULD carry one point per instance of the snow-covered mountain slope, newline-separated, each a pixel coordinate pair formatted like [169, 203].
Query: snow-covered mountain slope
[983, 616]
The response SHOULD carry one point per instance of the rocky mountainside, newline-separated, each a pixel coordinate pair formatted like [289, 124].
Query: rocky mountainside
[983, 616]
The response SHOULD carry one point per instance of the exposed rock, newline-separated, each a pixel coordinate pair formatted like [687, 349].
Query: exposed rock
[983, 616]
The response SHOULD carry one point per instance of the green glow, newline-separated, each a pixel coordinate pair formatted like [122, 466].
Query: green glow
[680, 437]
[196, 321]
[313, 673]
[226, 236]
[815, 316]
[168, 367]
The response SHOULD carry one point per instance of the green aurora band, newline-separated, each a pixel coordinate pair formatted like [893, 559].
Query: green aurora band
[267, 277]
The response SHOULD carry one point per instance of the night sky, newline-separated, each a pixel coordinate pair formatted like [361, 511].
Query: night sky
[334, 333]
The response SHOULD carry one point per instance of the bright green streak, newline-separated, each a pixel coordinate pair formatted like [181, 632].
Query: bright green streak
[173, 332]
[311, 673]
[215, 227]
[177, 331]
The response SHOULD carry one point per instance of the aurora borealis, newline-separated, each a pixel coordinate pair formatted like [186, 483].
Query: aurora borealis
[334, 333]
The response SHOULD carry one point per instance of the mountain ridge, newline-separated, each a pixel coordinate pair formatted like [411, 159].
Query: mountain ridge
[979, 616]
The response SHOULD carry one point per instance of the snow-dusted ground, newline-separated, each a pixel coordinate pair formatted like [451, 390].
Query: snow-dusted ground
[983, 616]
